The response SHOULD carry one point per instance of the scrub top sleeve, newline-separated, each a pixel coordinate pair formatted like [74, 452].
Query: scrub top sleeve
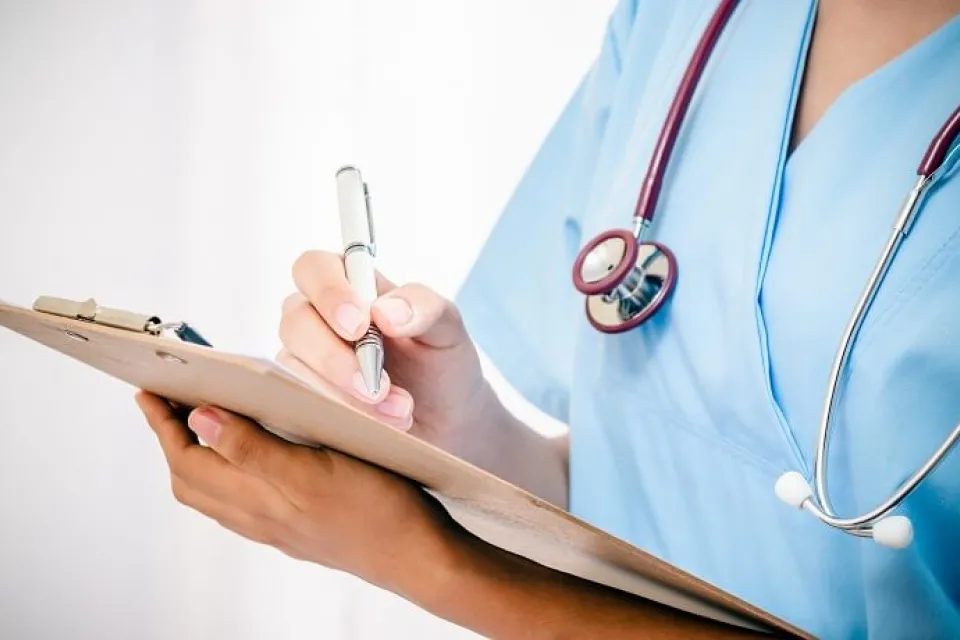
[518, 301]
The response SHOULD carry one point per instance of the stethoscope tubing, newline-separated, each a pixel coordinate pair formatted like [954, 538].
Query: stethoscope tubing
[611, 285]
[823, 508]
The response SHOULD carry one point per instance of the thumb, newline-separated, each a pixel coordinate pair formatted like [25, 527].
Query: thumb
[416, 311]
[241, 442]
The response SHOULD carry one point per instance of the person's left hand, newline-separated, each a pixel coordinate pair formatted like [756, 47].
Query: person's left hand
[311, 504]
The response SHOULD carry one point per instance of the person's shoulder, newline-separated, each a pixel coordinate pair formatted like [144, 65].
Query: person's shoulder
[641, 27]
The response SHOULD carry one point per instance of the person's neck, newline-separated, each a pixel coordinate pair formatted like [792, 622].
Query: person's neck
[881, 29]
[853, 38]
[905, 21]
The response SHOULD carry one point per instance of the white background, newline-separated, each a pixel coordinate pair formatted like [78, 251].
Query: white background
[174, 157]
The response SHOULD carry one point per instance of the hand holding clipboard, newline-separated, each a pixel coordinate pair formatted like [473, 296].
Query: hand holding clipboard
[416, 490]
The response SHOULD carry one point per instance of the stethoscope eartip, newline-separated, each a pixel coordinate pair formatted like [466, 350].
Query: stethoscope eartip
[793, 489]
[895, 532]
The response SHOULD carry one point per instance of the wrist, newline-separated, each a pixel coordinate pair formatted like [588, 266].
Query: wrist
[497, 594]
[489, 436]
[481, 428]
[465, 584]
[435, 565]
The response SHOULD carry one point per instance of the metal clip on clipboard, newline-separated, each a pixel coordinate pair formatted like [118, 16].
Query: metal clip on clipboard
[90, 311]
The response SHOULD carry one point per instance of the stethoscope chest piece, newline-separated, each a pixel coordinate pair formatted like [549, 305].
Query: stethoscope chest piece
[625, 281]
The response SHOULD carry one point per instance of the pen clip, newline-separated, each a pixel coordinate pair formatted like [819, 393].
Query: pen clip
[370, 229]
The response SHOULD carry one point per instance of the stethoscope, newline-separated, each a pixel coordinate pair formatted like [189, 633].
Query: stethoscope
[626, 278]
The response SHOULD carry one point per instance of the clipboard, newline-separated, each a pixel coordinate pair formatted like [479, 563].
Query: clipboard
[174, 361]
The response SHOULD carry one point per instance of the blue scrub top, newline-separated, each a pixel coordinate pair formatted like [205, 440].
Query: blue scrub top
[679, 429]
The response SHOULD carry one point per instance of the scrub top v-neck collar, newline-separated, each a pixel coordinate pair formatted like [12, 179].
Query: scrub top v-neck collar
[676, 432]
[843, 186]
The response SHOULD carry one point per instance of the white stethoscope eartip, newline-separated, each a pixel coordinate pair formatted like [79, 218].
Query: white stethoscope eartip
[895, 532]
[793, 489]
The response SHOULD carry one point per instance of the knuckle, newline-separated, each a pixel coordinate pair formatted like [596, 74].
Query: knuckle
[299, 316]
[433, 305]
[429, 297]
[287, 326]
[329, 293]
[287, 513]
[314, 272]
[264, 533]
[177, 465]
[280, 514]
[298, 328]
[452, 312]
[291, 552]
[302, 266]
[291, 302]
[244, 452]
[179, 489]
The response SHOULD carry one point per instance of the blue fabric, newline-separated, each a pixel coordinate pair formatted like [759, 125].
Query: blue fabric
[680, 429]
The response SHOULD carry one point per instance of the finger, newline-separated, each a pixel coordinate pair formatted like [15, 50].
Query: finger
[178, 443]
[292, 301]
[320, 277]
[294, 365]
[396, 409]
[305, 335]
[163, 420]
[384, 285]
[203, 469]
[416, 311]
[246, 445]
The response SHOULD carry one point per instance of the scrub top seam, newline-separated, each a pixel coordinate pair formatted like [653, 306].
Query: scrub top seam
[902, 296]
[749, 456]
[773, 214]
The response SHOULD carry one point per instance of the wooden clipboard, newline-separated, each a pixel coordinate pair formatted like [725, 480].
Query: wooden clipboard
[173, 361]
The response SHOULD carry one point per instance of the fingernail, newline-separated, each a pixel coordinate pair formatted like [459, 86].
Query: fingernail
[397, 310]
[396, 405]
[205, 424]
[349, 318]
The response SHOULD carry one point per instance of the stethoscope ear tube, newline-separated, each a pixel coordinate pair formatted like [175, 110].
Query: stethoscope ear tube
[627, 279]
[621, 292]
[936, 154]
[895, 531]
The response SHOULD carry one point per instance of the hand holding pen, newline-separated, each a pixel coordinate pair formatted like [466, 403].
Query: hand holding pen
[346, 323]
[431, 384]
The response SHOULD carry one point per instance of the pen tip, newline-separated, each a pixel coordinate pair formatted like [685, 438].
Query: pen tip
[370, 359]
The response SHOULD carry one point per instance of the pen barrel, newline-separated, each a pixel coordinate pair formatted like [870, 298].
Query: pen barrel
[361, 272]
[353, 202]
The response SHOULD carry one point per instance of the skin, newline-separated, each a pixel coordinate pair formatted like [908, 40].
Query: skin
[313, 505]
[853, 38]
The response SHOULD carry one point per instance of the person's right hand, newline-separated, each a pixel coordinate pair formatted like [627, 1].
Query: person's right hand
[428, 354]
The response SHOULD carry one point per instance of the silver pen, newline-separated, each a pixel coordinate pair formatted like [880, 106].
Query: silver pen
[359, 252]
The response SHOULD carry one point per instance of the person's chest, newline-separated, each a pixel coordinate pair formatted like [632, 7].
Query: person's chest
[683, 425]
[773, 252]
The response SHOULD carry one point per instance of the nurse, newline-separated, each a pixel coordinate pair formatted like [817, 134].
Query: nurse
[798, 148]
